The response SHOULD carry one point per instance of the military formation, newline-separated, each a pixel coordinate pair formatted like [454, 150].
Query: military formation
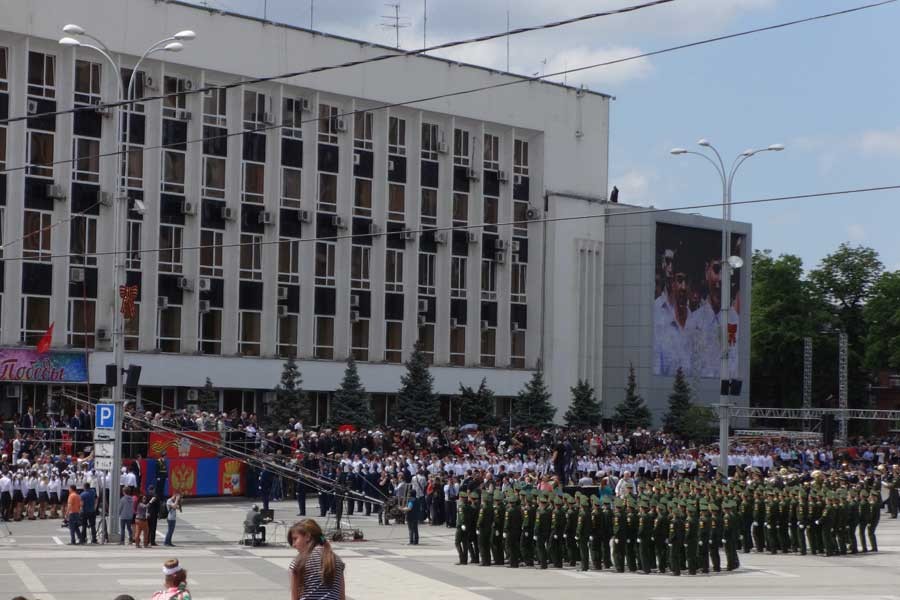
[680, 526]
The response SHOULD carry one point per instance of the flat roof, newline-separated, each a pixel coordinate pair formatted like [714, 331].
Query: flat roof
[262, 21]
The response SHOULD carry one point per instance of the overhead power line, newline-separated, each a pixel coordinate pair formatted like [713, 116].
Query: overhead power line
[333, 238]
[354, 63]
[517, 81]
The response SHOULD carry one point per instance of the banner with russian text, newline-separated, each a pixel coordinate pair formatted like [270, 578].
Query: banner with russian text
[187, 444]
[26, 365]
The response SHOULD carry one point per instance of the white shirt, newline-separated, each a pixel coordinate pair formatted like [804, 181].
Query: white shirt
[671, 349]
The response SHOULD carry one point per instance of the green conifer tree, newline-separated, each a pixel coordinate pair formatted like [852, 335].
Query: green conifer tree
[632, 413]
[584, 411]
[417, 404]
[350, 404]
[532, 407]
[679, 405]
[477, 406]
[290, 401]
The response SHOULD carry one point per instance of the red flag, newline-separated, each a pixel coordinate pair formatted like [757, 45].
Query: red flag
[44, 344]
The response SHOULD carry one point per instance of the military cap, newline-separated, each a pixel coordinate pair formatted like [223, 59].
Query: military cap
[558, 500]
[619, 503]
[464, 494]
[595, 500]
[606, 500]
[473, 495]
[583, 500]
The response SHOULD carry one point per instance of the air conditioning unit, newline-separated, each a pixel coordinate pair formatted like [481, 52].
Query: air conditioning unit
[32, 107]
[441, 237]
[267, 118]
[472, 237]
[340, 125]
[409, 235]
[391, 166]
[204, 306]
[502, 177]
[485, 325]
[422, 320]
[354, 300]
[374, 229]
[354, 316]
[193, 395]
[76, 274]
[188, 208]
[338, 221]
[105, 199]
[185, 284]
[356, 159]
[266, 218]
[305, 104]
[532, 213]
[281, 311]
[304, 216]
[282, 293]
[443, 147]
[56, 192]
[103, 335]
[149, 83]
[423, 305]
[183, 115]
[454, 322]
[500, 257]
[103, 110]
[204, 284]
[472, 173]
[13, 391]
[517, 327]
[228, 213]
[500, 245]
[518, 179]
[515, 245]
[162, 302]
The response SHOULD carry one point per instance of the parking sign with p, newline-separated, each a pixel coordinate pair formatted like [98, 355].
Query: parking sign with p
[105, 416]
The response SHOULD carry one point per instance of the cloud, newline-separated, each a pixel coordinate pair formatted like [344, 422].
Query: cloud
[880, 143]
[634, 186]
[856, 232]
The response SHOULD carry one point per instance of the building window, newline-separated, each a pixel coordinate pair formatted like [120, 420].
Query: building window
[429, 207]
[81, 323]
[215, 103]
[520, 158]
[35, 318]
[173, 171]
[83, 240]
[458, 346]
[211, 252]
[213, 177]
[362, 130]
[137, 91]
[87, 82]
[133, 245]
[133, 165]
[426, 342]
[133, 329]
[491, 152]
[458, 266]
[41, 75]
[256, 110]
[396, 203]
[488, 280]
[393, 342]
[488, 347]
[170, 243]
[517, 349]
[175, 99]
[4, 76]
[427, 262]
[461, 147]
[36, 235]
[168, 338]
[460, 209]
[327, 193]
[393, 270]
[292, 118]
[254, 182]
[362, 198]
[86, 159]
[491, 208]
[291, 189]
[249, 326]
[519, 280]
[397, 136]
[328, 124]
[289, 261]
[2, 147]
[325, 263]
[430, 141]
[287, 336]
[520, 217]
[251, 256]
[360, 259]
[2, 223]
[210, 341]
[39, 149]
[324, 336]
[359, 339]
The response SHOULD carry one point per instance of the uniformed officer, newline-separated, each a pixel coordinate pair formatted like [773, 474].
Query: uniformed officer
[773, 543]
[527, 542]
[558, 528]
[874, 518]
[606, 532]
[631, 522]
[676, 538]
[661, 535]
[461, 538]
[715, 536]
[572, 513]
[864, 517]
[583, 531]
[484, 529]
[472, 516]
[497, 528]
[730, 541]
[703, 537]
[692, 537]
[596, 536]
[619, 532]
[758, 525]
[645, 522]
[512, 530]
[814, 530]
[852, 521]
[543, 523]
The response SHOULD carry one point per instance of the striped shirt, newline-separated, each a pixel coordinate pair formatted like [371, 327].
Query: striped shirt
[314, 587]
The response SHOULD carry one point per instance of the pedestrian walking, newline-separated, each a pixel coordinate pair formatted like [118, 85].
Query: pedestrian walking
[140, 523]
[173, 505]
[73, 508]
[316, 572]
[126, 514]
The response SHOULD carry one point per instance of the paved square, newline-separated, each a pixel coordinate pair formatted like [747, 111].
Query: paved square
[36, 563]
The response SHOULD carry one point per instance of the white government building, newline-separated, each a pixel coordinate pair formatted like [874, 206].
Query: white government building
[324, 202]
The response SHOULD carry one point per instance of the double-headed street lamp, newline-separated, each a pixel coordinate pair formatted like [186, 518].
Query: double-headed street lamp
[173, 43]
[728, 263]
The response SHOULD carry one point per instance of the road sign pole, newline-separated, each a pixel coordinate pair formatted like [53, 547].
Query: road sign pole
[114, 471]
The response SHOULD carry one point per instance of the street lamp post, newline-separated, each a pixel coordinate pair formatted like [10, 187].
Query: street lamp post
[728, 263]
[172, 43]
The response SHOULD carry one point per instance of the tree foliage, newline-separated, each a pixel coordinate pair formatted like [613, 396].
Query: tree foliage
[477, 406]
[290, 401]
[632, 413]
[207, 399]
[350, 404]
[698, 424]
[417, 404]
[584, 411]
[679, 405]
[882, 319]
[532, 407]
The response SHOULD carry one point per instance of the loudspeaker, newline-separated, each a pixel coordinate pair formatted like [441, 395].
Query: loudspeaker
[132, 376]
[724, 387]
[736, 385]
[828, 429]
[111, 378]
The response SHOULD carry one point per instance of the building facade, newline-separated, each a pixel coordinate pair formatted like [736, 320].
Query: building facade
[308, 217]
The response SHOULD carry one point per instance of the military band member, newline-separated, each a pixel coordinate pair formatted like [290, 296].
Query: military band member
[773, 542]
[864, 517]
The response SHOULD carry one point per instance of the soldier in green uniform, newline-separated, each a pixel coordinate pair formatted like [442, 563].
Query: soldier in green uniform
[826, 525]
[715, 536]
[596, 533]
[852, 521]
[758, 524]
[645, 537]
[773, 543]
[526, 543]
[471, 521]
[631, 535]
[543, 521]
[747, 514]
[558, 532]
[703, 537]
[584, 531]
[729, 529]
[484, 529]
[874, 518]
[661, 536]
[497, 544]
[572, 511]
[691, 537]
[801, 518]
[618, 535]
[461, 538]
[606, 531]
[512, 530]
[814, 529]
[676, 538]
[864, 516]
[784, 522]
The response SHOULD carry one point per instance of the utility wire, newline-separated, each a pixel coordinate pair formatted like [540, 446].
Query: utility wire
[481, 88]
[71, 217]
[353, 63]
[480, 225]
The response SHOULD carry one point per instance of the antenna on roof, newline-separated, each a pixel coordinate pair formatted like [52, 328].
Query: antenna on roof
[395, 21]
[312, 13]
